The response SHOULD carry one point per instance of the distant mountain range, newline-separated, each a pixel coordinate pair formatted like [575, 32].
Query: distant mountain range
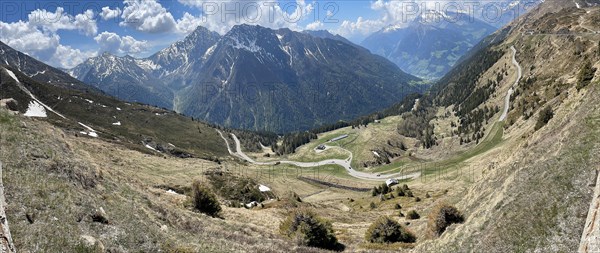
[256, 78]
[430, 45]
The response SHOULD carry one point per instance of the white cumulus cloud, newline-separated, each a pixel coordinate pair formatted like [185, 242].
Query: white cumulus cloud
[67, 57]
[38, 36]
[108, 13]
[113, 43]
[220, 16]
[59, 20]
[188, 23]
[147, 16]
[315, 25]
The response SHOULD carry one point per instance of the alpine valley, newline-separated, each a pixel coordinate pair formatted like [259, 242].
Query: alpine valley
[256, 78]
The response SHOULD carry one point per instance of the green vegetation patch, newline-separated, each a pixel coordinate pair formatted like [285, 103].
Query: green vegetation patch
[386, 230]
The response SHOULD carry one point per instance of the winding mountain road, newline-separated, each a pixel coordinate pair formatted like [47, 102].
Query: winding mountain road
[511, 91]
[346, 164]
[340, 162]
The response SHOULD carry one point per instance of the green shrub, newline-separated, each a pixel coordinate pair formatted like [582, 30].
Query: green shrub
[386, 230]
[400, 192]
[307, 229]
[385, 189]
[397, 206]
[375, 191]
[235, 188]
[296, 197]
[441, 217]
[413, 215]
[372, 205]
[405, 187]
[585, 76]
[204, 200]
[545, 115]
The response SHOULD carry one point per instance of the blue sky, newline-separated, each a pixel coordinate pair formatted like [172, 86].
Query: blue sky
[65, 33]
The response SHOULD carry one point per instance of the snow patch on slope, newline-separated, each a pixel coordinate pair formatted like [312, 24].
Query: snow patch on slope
[11, 74]
[91, 132]
[35, 109]
[251, 47]
[288, 51]
[209, 52]
[147, 65]
[150, 147]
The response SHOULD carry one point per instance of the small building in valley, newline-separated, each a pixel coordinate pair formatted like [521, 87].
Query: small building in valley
[391, 182]
[339, 138]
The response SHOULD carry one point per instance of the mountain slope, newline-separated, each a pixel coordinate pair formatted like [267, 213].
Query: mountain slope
[327, 35]
[125, 78]
[136, 126]
[38, 70]
[531, 193]
[188, 55]
[279, 80]
[148, 80]
[66, 193]
[430, 45]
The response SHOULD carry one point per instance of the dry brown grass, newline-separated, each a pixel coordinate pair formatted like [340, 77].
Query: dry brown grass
[62, 180]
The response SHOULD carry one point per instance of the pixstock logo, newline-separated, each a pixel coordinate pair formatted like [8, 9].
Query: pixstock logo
[492, 12]
[256, 12]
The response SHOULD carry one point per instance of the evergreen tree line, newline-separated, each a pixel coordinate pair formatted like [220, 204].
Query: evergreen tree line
[251, 140]
[292, 141]
[405, 105]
